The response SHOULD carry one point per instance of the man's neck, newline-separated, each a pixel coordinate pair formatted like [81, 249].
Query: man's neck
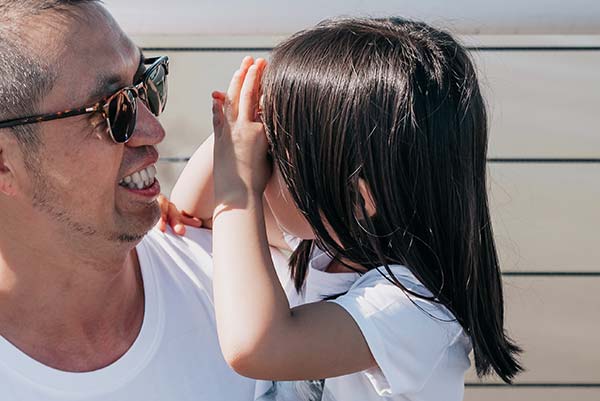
[70, 313]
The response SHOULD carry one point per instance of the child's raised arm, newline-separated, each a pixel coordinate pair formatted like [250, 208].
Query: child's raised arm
[260, 336]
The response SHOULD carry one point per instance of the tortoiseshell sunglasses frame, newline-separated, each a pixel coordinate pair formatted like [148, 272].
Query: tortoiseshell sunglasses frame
[133, 91]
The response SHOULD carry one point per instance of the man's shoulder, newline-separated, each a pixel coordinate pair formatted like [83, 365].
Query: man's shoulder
[194, 240]
[187, 258]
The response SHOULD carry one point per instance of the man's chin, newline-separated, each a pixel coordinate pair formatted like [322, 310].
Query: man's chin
[129, 238]
[138, 227]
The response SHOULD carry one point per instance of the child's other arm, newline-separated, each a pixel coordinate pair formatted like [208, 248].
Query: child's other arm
[193, 192]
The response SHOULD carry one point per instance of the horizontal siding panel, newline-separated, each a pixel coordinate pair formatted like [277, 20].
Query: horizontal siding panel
[155, 40]
[543, 104]
[203, 17]
[532, 394]
[546, 217]
[555, 320]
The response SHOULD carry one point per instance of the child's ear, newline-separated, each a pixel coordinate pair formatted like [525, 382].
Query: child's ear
[7, 177]
[365, 192]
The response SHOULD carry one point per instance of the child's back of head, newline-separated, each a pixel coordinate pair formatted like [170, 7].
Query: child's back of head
[380, 131]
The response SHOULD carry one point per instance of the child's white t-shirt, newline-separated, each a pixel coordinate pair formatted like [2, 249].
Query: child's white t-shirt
[420, 349]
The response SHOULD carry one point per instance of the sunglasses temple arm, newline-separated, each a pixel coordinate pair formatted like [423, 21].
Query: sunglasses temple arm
[49, 117]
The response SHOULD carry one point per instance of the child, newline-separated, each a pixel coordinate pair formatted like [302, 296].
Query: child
[377, 132]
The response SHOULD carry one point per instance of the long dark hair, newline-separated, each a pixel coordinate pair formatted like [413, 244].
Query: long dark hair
[397, 104]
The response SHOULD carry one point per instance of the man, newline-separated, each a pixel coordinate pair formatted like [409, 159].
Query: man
[92, 305]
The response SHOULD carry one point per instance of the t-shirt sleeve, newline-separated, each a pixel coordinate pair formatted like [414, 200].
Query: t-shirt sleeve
[192, 254]
[293, 242]
[407, 336]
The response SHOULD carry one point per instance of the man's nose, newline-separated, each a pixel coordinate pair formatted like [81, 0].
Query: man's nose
[148, 131]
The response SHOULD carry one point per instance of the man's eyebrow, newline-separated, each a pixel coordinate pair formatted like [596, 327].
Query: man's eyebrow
[106, 85]
[141, 67]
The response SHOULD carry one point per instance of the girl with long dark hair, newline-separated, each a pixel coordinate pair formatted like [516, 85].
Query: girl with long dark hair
[367, 154]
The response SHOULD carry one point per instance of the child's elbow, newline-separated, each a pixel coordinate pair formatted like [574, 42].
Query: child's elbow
[242, 364]
[247, 359]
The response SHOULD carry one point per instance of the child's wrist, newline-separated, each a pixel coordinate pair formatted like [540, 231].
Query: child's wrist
[237, 198]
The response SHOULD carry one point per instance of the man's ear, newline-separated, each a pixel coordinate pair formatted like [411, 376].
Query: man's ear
[7, 176]
[365, 192]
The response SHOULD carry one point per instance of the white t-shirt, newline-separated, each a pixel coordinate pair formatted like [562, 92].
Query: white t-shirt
[421, 351]
[176, 355]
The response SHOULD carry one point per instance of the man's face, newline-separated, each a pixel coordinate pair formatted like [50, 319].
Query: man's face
[74, 185]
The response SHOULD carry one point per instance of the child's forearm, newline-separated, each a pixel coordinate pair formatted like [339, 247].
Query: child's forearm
[260, 336]
[243, 269]
[194, 191]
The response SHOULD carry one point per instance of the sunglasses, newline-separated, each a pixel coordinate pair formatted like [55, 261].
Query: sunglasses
[119, 109]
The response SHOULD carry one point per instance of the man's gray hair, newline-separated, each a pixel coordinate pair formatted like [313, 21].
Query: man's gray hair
[24, 78]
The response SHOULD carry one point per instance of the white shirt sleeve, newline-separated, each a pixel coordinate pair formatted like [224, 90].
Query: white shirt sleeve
[293, 242]
[407, 336]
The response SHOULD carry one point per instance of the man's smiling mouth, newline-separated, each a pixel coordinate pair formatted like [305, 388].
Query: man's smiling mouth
[141, 179]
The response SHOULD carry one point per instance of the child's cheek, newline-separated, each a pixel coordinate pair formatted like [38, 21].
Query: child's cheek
[287, 215]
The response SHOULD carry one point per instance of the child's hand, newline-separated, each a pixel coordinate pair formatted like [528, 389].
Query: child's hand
[241, 166]
[169, 214]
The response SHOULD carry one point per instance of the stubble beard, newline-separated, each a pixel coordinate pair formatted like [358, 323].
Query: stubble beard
[47, 200]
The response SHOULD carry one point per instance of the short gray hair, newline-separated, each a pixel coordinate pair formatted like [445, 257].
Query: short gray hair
[24, 78]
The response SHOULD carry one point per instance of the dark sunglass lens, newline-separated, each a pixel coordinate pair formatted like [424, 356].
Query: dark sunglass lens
[122, 115]
[156, 90]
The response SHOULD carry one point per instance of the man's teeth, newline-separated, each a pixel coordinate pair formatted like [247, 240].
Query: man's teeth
[140, 179]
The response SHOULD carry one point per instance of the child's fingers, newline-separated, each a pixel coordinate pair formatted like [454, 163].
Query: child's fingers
[219, 95]
[258, 100]
[238, 77]
[246, 62]
[191, 221]
[174, 217]
[170, 215]
[218, 116]
[248, 104]
[179, 229]
[246, 108]
[235, 85]
[163, 203]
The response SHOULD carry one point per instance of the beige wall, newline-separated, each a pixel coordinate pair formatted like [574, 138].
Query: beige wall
[243, 17]
[545, 104]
